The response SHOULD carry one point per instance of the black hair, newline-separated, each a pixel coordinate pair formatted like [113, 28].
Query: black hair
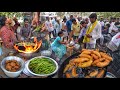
[64, 19]
[19, 24]
[73, 20]
[60, 33]
[116, 23]
[117, 18]
[2, 20]
[26, 19]
[108, 25]
[111, 18]
[114, 18]
[82, 22]
[64, 16]
[71, 15]
[47, 17]
[93, 15]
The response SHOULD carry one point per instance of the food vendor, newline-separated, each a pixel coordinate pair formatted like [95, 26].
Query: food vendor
[25, 31]
[8, 37]
[93, 32]
[58, 47]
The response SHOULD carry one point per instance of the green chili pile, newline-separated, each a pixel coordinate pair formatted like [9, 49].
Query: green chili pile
[42, 66]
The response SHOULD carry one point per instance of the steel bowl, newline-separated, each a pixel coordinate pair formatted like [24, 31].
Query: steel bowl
[72, 43]
[42, 75]
[12, 74]
[77, 46]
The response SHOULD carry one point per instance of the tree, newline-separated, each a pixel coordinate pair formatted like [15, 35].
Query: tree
[60, 14]
[109, 14]
[11, 14]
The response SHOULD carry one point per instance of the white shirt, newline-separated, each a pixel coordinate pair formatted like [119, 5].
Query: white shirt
[96, 33]
[102, 23]
[18, 30]
[53, 21]
[112, 27]
[64, 27]
[107, 23]
[57, 27]
[49, 26]
[116, 40]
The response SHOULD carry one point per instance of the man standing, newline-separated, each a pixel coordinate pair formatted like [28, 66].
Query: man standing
[49, 26]
[117, 21]
[102, 28]
[86, 20]
[102, 23]
[82, 34]
[57, 27]
[53, 23]
[113, 29]
[75, 29]
[104, 33]
[79, 19]
[93, 32]
[64, 29]
[69, 24]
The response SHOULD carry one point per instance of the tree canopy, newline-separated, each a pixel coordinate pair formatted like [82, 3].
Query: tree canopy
[12, 14]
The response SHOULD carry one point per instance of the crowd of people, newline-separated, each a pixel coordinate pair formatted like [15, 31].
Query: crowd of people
[83, 31]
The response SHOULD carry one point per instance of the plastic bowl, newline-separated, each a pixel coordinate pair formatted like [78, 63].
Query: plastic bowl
[12, 74]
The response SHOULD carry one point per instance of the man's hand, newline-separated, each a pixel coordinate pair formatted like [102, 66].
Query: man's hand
[88, 36]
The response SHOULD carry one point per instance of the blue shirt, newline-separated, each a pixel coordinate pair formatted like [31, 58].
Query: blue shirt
[56, 42]
[69, 24]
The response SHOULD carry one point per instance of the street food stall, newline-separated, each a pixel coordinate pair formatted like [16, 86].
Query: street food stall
[28, 61]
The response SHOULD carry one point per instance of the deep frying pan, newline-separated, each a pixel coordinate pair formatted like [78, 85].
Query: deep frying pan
[61, 69]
